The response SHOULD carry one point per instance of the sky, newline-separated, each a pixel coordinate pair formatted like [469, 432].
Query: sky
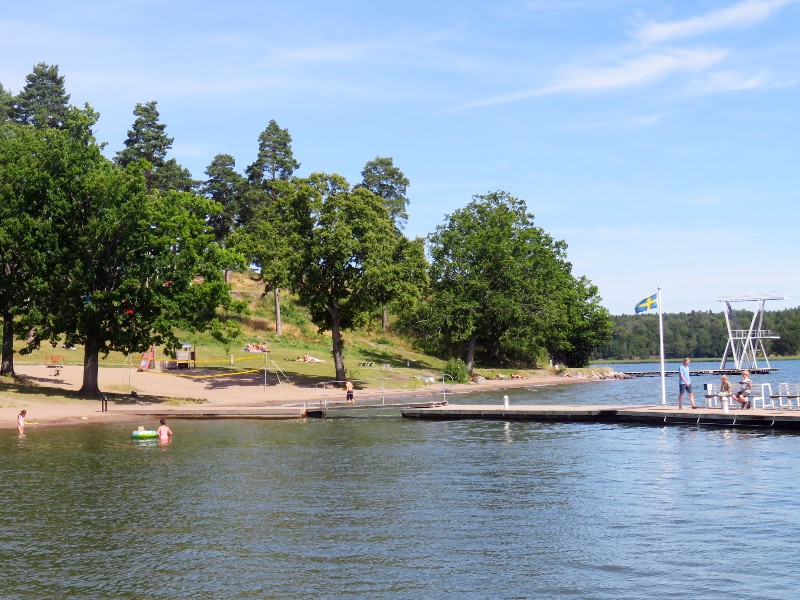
[659, 139]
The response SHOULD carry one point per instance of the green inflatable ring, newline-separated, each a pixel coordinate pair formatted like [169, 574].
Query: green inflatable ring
[144, 434]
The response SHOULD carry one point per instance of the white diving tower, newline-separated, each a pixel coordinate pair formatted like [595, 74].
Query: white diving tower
[745, 344]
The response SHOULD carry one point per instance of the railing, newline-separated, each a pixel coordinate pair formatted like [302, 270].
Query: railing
[323, 387]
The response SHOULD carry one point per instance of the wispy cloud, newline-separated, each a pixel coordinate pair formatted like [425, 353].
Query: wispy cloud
[732, 81]
[624, 123]
[739, 16]
[648, 69]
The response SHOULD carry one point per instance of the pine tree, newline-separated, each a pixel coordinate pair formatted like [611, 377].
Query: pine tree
[43, 102]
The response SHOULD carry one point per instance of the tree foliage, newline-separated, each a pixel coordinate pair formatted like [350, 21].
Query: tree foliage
[105, 264]
[502, 286]
[225, 186]
[696, 334]
[385, 180]
[43, 102]
[115, 255]
[30, 166]
[7, 100]
[260, 209]
[274, 163]
[148, 141]
[344, 244]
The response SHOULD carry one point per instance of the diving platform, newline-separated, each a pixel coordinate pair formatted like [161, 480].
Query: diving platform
[745, 345]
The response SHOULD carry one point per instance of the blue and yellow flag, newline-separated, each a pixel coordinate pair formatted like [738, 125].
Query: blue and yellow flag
[647, 304]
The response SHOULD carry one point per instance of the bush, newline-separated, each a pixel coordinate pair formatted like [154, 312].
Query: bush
[457, 369]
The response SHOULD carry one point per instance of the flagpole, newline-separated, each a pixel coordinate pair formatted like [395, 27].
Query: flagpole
[661, 339]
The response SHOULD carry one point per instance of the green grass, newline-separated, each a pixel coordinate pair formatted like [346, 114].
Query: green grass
[393, 360]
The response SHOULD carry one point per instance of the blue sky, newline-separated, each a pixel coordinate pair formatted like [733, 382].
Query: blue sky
[660, 139]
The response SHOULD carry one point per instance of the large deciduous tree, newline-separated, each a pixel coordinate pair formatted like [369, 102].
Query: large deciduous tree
[43, 101]
[31, 166]
[123, 267]
[498, 281]
[344, 245]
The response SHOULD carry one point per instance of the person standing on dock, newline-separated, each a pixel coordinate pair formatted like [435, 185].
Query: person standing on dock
[685, 384]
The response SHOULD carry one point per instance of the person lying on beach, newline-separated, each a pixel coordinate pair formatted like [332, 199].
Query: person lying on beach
[309, 358]
[256, 348]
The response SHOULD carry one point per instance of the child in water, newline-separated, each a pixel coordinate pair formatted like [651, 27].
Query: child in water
[164, 432]
[21, 421]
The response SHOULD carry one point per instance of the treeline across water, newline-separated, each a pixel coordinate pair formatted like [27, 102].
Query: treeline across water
[695, 334]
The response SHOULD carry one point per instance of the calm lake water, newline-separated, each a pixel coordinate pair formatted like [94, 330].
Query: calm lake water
[375, 506]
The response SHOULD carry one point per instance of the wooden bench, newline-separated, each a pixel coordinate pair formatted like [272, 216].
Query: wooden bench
[759, 393]
[54, 362]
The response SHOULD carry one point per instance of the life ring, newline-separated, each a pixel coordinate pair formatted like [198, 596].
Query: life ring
[144, 434]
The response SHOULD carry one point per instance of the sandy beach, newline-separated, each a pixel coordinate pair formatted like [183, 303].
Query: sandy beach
[168, 392]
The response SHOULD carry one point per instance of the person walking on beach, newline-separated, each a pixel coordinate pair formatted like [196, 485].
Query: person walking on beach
[685, 384]
[164, 432]
[745, 385]
[348, 386]
[21, 421]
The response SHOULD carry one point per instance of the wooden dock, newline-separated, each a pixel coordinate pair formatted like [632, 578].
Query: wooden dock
[753, 371]
[222, 412]
[300, 411]
[656, 414]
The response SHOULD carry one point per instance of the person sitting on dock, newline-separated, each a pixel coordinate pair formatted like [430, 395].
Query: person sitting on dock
[745, 385]
[724, 389]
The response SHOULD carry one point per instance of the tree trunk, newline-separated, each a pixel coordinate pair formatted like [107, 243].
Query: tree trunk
[277, 293]
[91, 353]
[336, 335]
[7, 366]
[384, 318]
[227, 276]
[471, 353]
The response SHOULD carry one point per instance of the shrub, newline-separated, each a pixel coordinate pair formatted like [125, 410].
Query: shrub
[457, 369]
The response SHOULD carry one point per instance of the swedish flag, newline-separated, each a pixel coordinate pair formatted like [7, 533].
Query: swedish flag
[647, 304]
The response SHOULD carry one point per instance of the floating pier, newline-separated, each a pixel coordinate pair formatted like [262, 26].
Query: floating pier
[222, 412]
[656, 414]
[314, 410]
[701, 372]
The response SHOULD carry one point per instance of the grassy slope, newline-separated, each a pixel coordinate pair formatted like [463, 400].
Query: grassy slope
[387, 355]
